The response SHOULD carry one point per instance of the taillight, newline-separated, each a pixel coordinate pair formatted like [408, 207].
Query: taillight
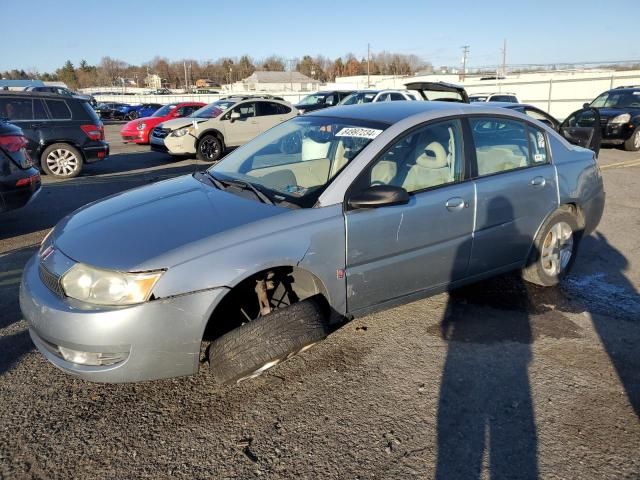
[13, 143]
[94, 132]
[34, 179]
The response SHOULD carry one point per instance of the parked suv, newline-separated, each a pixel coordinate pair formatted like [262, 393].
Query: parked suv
[225, 123]
[319, 100]
[63, 133]
[494, 97]
[19, 180]
[619, 111]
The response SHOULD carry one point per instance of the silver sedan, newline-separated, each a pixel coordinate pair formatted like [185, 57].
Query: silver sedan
[327, 216]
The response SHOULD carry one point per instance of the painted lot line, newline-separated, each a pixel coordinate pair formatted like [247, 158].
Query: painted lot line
[626, 163]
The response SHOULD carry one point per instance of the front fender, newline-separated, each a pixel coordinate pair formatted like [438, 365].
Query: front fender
[311, 239]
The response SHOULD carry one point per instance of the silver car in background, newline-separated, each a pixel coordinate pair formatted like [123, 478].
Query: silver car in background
[327, 216]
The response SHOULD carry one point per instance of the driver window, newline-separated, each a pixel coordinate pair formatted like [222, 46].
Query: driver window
[429, 157]
[330, 100]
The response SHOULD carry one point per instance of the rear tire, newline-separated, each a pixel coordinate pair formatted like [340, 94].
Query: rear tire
[209, 148]
[554, 250]
[132, 115]
[633, 142]
[61, 160]
[255, 347]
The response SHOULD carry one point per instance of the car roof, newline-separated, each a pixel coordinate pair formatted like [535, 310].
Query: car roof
[23, 93]
[394, 112]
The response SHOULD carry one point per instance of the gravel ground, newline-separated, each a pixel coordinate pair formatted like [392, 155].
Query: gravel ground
[499, 379]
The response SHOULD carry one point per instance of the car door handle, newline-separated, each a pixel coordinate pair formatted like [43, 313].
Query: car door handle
[455, 204]
[538, 182]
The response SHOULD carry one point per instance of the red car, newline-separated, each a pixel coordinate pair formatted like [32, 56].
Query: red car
[138, 131]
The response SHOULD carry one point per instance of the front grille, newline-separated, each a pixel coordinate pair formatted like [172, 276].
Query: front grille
[603, 121]
[51, 281]
[159, 132]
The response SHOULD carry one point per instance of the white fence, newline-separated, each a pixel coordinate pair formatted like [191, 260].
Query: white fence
[558, 94]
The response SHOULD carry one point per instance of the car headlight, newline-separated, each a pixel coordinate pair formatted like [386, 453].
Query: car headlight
[141, 126]
[624, 118]
[106, 287]
[181, 132]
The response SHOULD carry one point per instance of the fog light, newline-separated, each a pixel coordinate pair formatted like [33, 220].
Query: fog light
[91, 358]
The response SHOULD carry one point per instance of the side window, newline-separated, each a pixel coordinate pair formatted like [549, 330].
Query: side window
[428, 157]
[268, 108]
[39, 113]
[395, 96]
[246, 110]
[283, 109]
[330, 100]
[501, 145]
[58, 109]
[16, 108]
[383, 98]
[538, 145]
[184, 111]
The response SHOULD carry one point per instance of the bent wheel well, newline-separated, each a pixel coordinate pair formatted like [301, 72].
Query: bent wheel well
[241, 304]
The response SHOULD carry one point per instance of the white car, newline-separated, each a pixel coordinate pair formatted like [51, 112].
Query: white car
[371, 96]
[231, 122]
[494, 97]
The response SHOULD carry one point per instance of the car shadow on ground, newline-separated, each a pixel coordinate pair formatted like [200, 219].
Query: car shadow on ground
[59, 198]
[485, 404]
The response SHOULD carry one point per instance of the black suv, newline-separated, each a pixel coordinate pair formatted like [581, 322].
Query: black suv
[619, 110]
[19, 180]
[63, 132]
[319, 100]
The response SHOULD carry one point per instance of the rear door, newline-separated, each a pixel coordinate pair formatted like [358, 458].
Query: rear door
[515, 190]
[30, 115]
[583, 128]
[270, 114]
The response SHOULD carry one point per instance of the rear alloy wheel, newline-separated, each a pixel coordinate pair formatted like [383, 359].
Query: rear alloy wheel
[132, 115]
[633, 143]
[61, 160]
[554, 250]
[209, 148]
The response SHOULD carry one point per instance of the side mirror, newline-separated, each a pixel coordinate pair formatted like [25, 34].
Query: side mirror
[379, 196]
[234, 116]
[585, 105]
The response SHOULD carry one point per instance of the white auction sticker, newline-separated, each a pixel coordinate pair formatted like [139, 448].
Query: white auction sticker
[359, 132]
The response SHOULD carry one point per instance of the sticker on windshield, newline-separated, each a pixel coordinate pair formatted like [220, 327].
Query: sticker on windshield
[359, 132]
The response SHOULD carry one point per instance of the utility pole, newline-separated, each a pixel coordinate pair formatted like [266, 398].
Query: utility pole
[504, 58]
[465, 55]
[368, 61]
[186, 86]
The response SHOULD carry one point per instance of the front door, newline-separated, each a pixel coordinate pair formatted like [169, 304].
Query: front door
[240, 130]
[395, 251]
[515, 190]
[583, 128]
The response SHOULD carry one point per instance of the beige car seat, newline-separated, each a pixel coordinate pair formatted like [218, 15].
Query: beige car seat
[431, 169]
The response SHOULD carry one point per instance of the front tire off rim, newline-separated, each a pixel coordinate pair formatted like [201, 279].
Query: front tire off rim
[62, 163]
[557, 249]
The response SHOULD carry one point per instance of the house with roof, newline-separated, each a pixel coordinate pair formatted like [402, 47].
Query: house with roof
[263, 81]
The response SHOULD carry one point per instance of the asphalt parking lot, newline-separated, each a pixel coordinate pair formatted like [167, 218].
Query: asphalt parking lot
[500, 379]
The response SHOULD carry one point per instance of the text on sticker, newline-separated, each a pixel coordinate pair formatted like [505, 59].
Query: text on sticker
[359, 132]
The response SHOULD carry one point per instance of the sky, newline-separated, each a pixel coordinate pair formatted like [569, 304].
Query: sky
[538, 32]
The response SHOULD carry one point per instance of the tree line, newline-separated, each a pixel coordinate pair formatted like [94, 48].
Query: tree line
[111, 72]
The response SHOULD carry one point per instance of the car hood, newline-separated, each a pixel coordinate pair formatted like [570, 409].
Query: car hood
[152, 227]
[149, 121]
[614, 112]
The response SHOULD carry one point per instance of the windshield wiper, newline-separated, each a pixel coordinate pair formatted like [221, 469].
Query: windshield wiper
[245, 186]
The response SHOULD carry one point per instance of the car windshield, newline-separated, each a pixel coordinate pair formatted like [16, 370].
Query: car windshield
[296, 160]
[212, 110]
[164, 111]
[618, 99]
[358, 97]
[313, 99]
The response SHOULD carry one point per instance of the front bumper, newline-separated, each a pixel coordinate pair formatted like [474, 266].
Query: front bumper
[617, 134]
[135, 136]
[161, 337]
[185, 145]
[95, 153]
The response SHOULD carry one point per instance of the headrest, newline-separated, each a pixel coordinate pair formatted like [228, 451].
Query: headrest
[433, 156]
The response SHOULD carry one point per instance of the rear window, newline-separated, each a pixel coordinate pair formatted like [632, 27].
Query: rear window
[58, 109]
[90, 113]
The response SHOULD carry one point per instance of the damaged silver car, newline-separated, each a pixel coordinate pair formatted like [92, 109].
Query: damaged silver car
[327, 216]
